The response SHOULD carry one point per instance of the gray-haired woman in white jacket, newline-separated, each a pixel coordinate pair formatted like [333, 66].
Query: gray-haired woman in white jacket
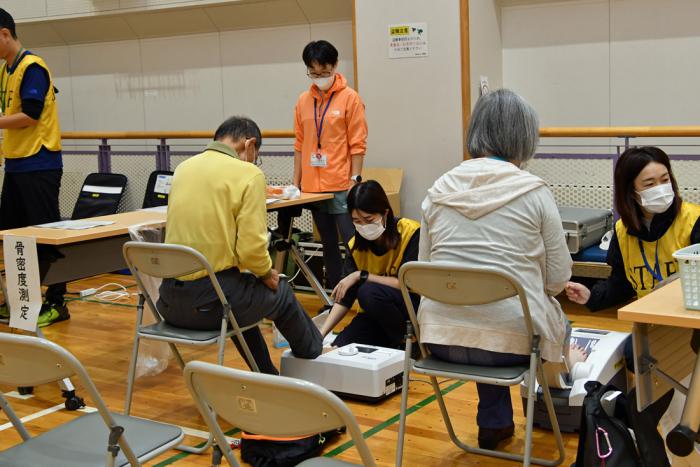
[489, 212]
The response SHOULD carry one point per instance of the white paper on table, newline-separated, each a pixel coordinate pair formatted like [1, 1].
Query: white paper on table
[271, 200]
[75, 225]
[163, 209]
[22, 281]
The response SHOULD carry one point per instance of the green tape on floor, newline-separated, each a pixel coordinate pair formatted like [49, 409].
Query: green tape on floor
[372, 431]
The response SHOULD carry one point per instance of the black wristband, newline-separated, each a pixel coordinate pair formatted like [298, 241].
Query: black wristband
[364, 275]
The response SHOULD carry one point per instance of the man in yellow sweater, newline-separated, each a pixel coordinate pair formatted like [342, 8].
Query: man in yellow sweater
[217, 206]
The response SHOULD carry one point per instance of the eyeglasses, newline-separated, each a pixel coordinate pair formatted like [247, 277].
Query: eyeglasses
[323, 74]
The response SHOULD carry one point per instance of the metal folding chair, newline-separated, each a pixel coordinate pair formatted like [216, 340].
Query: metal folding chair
[454, 284]
[96, 439]
[165, 261]
[270, 405]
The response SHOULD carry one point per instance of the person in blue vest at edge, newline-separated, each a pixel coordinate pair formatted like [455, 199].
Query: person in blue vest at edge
[381, 245]
[31, 147]
[654, 223]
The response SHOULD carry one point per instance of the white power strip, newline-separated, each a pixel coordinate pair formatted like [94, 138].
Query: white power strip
[87, 292]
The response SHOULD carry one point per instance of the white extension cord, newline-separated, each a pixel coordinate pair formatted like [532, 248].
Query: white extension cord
[107, 295]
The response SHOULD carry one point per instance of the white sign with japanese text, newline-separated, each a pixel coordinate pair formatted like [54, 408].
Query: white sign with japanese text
[22, 281]
[408, 40]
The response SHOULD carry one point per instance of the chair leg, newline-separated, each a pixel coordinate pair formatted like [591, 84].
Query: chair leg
[197, 450]
[12, 416]
[530, 411]
[552, 418]
[404, 402]
[178, 357]
[132, 373]
[446, 417]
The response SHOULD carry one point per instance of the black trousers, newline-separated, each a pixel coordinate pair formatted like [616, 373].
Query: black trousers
[31, 198]
[193, 305]
[383, 320]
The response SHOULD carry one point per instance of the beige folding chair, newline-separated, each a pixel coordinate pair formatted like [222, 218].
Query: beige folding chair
[270, 405]
[164, 261]
[453, 284]
[96, 439]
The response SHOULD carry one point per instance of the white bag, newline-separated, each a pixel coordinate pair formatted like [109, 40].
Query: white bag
[153, 355]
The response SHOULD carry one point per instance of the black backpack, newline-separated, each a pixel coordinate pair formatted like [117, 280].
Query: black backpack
[260, 452]
[605, 440]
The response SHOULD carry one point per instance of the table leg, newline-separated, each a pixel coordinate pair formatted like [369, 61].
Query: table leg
[681, 440]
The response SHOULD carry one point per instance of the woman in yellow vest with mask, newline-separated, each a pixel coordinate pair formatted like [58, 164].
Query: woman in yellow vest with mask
[654, 223]
[382, 243]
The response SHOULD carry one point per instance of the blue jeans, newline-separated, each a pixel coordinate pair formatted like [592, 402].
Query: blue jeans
[495, 408]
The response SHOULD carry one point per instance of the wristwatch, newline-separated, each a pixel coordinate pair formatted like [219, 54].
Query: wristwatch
[356, 178]
[364, 275]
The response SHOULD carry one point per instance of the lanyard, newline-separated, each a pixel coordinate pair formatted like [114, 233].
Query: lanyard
[319, 128]
[656, 272]
[6, 77]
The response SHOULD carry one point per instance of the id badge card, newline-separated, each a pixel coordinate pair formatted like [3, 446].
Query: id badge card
[318, 159]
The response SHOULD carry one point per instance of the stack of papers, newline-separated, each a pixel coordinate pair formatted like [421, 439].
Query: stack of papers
[75, 225]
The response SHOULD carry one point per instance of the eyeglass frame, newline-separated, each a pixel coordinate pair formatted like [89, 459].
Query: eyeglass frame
[325, 74]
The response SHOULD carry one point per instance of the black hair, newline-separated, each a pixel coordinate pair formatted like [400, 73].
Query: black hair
[7, 22]
[239, 127]
[321, 52]
[630, 164]
[370, 197]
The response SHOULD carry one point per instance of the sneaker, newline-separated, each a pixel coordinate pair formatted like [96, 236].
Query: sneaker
[4, 312]
[52, 314]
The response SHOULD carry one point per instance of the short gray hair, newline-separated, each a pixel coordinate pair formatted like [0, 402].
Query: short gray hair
[238, 127]
[503, 124]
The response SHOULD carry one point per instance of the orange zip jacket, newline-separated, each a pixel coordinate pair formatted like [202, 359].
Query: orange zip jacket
[344, 134]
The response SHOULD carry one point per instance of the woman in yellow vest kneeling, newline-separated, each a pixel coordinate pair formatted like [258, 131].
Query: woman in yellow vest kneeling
[654, 223]
[382, 243]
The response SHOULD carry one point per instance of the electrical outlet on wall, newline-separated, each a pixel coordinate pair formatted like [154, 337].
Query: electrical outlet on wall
[483, 85]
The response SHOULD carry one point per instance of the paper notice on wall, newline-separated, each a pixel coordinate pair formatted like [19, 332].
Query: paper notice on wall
[22, 281]
[408, 40]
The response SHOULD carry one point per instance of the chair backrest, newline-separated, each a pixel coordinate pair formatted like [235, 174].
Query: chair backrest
[454, 284]
[165, 261]
[271, 405]
[157, 188]
[30, 361]
[100, 195]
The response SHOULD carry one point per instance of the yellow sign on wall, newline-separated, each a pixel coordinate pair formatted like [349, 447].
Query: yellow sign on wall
[408, 40]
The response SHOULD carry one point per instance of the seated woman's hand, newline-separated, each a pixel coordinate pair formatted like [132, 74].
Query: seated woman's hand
[577, 293]
[344, 285]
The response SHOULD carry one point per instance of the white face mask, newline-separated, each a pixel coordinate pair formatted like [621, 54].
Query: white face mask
[657, 199]
[371, 231]
[324, 84]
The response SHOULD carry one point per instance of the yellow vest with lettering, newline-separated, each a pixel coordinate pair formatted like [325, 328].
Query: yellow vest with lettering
[676, 237]
[25, 142]
[389, 263]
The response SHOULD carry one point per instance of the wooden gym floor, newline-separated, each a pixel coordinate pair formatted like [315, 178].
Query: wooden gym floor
[100, 335]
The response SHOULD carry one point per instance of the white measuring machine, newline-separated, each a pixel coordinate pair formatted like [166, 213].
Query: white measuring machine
[358, 371]
[603, 361]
